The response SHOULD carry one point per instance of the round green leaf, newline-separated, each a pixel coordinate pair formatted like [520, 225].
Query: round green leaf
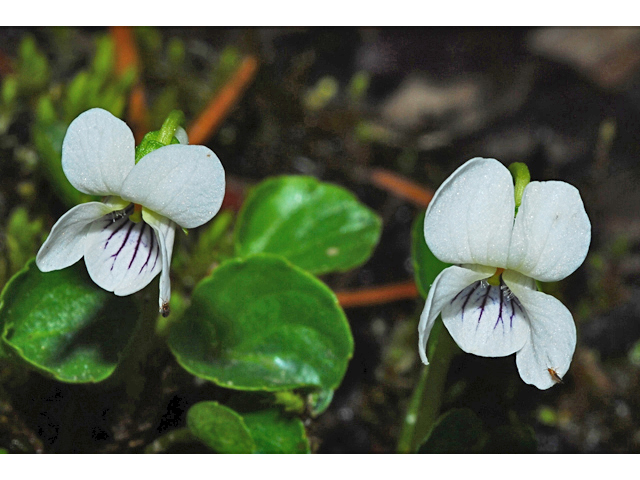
[64, 325]
[317, 226]
[426, 267]
[260, 323]
[220, 428]
[275, 433]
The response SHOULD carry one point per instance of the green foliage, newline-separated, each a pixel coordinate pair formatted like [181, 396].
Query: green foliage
[275, 433]
[65, 326]
[426, 267]
[220, 428]
[98, 86]
[32, 69]
[318, 226]
[319, 401]
[227, 431]
[460, 430]
[23, 237]
[260, 323]
[457, 431]
[30, 76]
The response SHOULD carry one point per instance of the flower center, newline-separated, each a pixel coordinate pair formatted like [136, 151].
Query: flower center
[136, 216]
[495, 279]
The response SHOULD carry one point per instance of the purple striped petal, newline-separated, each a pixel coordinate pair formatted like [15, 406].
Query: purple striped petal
[487, 320]
[122, 256]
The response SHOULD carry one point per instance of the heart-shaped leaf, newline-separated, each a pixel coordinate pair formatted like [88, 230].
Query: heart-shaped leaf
[261, 323]
[317, 226]
[64, 325]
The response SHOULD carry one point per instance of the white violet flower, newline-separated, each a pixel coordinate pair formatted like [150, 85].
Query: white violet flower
[488, 298]
[175, 184]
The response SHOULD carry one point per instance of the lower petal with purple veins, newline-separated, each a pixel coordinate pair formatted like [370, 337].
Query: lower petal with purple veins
[122, 256]
[487, 320]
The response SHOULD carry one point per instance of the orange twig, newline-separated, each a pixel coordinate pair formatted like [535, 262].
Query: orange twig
[6, 64]
[378, 295]
[401, 187]
[127, 58]
[126, 51]
[214, 114]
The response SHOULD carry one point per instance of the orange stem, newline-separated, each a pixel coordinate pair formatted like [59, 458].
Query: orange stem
[214, 114]
[377, 295]
[127, 58]
[401, 187]
[126, 51]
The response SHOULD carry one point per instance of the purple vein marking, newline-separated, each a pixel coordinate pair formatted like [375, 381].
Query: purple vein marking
[157, 253]
[135, 251]
[484, 302]
[466, 300]
[151, 247]
[114, 232]
[123, 244]
[500, 320]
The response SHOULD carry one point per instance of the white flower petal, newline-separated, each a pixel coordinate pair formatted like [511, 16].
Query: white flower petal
[445, 287]
[553, 334]
[487, 320]
[552, 232]
[122, 256]
[181, 135]
[182, 182]
[165, 231]
[98, 152]
[65, 244]
[470, 217]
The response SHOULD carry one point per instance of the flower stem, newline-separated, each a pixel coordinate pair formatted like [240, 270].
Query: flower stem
[169, 127]
[130, 370]
[521, 178]
[425, 402]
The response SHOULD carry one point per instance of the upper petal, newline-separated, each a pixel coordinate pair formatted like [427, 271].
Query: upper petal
[552, 232]
[470, 217]
[445, 287]
[98, 152]
[65, 244]
[182, 182]
[553, 334]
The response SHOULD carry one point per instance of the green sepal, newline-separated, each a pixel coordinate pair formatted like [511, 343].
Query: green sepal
[150, 143]
[521, 178]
